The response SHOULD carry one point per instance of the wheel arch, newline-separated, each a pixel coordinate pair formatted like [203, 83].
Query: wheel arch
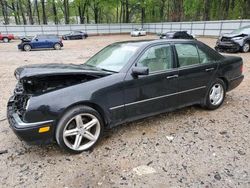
[225, 81]
[95, 106]
[26, 43]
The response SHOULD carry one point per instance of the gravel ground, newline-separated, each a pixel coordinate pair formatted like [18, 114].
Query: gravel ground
[191, 147]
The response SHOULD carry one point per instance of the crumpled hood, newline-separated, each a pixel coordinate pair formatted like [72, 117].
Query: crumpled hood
[231, 35]
[42, 70]
[25, 39]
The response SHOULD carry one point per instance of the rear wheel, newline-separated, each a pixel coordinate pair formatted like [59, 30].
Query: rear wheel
[246, 47]
[216, 95]
[57, 46]
[5, 40]
[79, 129]
[26, 47]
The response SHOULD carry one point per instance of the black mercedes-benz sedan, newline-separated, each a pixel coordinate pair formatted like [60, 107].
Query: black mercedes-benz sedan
[72, 104]
[74, 35]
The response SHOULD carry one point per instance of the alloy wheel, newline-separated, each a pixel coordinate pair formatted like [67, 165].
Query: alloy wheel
[81, 132]
[27, 47]
[216, 94]
[246, 47]
[57, 47]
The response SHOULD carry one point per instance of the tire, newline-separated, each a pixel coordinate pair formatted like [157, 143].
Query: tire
[246, 47]
[68, 132]
[5, 40]
[26, 47]
[57, 46]
[215, 95]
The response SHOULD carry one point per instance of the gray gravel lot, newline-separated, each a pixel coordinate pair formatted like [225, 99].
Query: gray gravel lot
[191, 147]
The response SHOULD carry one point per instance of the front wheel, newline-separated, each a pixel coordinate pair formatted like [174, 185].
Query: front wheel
[79, 129]
[216, 95]
[246, 47]
[26, 47]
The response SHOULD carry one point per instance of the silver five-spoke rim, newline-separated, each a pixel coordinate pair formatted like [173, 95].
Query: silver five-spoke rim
[57, 47]
[27, 48]
[216, 94]
[81, 132]
[246, 47]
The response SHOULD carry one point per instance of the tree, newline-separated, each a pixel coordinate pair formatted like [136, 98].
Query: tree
[37, 11]
[5, 11]
[30, 12]
[44, 12]
[56, 21]
[66, 11]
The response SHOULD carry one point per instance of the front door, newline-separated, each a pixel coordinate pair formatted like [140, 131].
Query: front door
[153, 93]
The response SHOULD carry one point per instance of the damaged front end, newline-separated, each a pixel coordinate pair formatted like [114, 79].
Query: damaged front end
[230, 43]
[34, 81]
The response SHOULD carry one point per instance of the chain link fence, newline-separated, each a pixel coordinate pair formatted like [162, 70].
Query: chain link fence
[199, 28]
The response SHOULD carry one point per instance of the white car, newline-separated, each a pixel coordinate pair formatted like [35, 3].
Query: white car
[138, 32]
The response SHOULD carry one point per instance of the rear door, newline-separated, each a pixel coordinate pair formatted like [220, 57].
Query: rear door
[153, 93]
[196, 71]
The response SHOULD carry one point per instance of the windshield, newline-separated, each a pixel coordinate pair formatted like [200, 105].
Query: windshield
[242, 30]
[112, 58]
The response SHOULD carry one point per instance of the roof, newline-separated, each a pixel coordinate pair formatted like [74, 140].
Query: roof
[140, 43]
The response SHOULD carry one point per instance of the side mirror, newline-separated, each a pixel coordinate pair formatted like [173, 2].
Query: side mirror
[36, 39]
[137, 71]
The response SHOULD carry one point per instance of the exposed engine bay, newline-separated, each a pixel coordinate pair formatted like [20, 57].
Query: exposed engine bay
[49, 83]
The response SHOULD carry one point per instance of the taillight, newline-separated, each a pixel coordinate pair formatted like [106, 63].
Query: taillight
[241, 68]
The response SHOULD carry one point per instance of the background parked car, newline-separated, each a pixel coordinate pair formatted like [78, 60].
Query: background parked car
[41, 42]
[75, 35]
[6, 37]
[238, 40]
[176, 35]
[138, 32]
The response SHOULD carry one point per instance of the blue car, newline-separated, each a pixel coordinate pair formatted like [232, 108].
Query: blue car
[41, 42]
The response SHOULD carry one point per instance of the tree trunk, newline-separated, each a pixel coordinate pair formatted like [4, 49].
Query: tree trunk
[44, 12]
[121, 11]
[66, 11]
[246, 11]
[22, 12]
[54, 12]
[13, 7]
[142, 13]
[96, 11]
[5, 11]
[226, 8]
[206, 15]
[18, 12]
[30, 13]
[37, 12]
[117, 11]
[162, 7]
[127, 11]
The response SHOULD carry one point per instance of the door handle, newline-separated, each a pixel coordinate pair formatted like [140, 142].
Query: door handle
[209, 69]
[173, 76]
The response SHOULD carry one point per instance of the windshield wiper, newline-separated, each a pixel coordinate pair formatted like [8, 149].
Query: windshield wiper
[106, 70]
[99, 68]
